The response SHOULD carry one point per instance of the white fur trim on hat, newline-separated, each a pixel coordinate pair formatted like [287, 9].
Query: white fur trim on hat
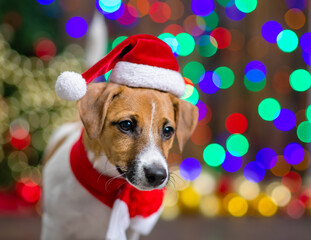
[70, 86]
[141, 75]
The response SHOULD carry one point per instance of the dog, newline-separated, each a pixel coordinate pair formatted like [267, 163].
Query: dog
[127, 134]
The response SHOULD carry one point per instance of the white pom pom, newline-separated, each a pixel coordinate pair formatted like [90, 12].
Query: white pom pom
[70, 86]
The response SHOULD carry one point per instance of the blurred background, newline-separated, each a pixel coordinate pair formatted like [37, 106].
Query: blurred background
[245, 172]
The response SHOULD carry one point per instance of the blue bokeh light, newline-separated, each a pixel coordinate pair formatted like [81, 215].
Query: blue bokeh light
[285, 121]
[190, 169]
[255, 75]
[113, 15]
[255, 65]
[76, 27]
[109, 6]
[202, 110]
[254, 172]
[45, 2]
[301, 4]
[202, 8]
[207, 83]
[294, 153]
[267, 157]
[305, 42]
[232, 163]
[306, 58]
[270, 30]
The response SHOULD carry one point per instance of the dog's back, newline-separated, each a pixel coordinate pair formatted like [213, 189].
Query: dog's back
[70, 212]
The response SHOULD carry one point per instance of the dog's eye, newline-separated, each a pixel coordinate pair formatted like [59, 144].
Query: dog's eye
[168, 132]
[126, 126]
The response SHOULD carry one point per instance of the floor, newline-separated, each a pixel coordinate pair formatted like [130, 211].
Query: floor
[188, 228]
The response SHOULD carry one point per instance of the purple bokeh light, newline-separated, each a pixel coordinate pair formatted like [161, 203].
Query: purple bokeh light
[76, 27]
[305, 42]
[267, 158]
[254, 172]
[207, 84]
[202, 8]
[202, 110]
[45, 2]
[294, 153]
[301, 4]
[285, 121]
[307, 58]
[234, 13]
[190, 169]
[112, 16]
[232, 163]
[255, 65]
[270, 30]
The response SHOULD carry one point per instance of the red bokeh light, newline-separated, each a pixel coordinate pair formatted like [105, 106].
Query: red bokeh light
[20, 138]
[174, 29]
[236, 123]
[160, 12]
[129, 15]
[222, 36]
[29, 191]
[292, 181]
[45, 49]
[202, 135]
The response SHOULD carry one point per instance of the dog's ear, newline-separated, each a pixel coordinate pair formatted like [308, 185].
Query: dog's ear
[186, 115]
[94, 105]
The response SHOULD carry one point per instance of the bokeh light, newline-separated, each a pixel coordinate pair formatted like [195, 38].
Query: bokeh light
[267, 157]
[202, 110]
[300, 4]
[129, 16]
[201, 135]
[269, 109]
[295, 209]
[300, 80]
[207, 46]
[304, 131]
[210, 205]
[236, 123]
[190, 169]
[267, 207]
[209, 22]
[237, 206]
[281, 167]
[249, 190]
[292, 181]
[222, 37]
[254, 172]
[295, 18]
[294, 153]
[281, 195]
[191, 94]
[118, 40]
[246, 6]
[110, 15]
[45, 2]
[305, 42]
[202, 8]
[214, 155]
[234, 13]
[209, 83]
[76, 27]
[232, 163]
[286, 120]
[270, 30]
[252, 65]
[109, 6]
[190, 198]
[160, 12]
[193, 71]
[237, 145]
[186, 43]
[223, 77]
[287, 41]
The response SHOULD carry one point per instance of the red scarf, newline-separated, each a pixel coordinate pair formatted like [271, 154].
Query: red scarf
[106, 190]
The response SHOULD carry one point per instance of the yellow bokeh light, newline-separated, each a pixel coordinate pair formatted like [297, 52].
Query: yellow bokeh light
[281, 195]
[249, 190]
[237, 206]
[171, 197]
[205, 184]
[210, 205]
[170, 213]
[190, 198]
[266, 207]
[176, 180]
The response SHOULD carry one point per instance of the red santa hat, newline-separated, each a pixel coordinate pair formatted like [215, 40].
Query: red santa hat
[139, 61]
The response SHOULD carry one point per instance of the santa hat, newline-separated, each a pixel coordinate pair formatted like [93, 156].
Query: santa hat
[138, 61]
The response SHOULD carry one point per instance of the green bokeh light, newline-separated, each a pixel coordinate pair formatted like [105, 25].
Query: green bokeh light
[214, 155]
[191, 94]
[107, 74]
[209, 22]
[193, 71]
[223, 3]
[287, 41]
[308, 113]
[246, 6]
[254, 86]
[207, 46]
[170, 40]
[118, 40]
[237, 145]
[304, 131]
[269, 109]
[186, 43]
[225, 75]
[300, 80]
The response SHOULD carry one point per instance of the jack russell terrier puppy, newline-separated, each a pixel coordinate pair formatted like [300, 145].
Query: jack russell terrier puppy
[104, 178]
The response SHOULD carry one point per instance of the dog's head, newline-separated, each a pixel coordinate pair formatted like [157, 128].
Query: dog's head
[135, 128]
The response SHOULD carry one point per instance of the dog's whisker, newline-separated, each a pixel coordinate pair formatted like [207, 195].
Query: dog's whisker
[110, 180]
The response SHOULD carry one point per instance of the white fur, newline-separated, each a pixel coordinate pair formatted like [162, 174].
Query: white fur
[141, 75]
[69, 210]
[150, 155]
[70, 86]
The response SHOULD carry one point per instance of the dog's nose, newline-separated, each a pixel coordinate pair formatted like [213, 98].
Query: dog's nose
[155, 175]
